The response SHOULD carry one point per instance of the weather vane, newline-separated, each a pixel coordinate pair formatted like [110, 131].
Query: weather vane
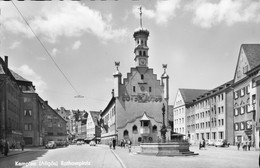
[164, 67]
[117, 64]
[140, 8]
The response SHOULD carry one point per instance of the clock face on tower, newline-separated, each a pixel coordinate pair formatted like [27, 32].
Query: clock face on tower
[142, 61]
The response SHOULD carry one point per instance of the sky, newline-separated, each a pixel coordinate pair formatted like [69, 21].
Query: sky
[199, 40]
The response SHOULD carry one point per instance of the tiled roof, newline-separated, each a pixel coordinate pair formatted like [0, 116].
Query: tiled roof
[190, 94]
[18, 77]
[252, 52]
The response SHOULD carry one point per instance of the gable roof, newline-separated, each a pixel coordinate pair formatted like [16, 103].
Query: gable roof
[189, 95]
[252, 52]
[18, 77]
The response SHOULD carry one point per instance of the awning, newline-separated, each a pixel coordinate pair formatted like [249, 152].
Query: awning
[177, 134]
[89, 139]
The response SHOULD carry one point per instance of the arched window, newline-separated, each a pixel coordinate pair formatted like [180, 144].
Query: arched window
[140, 52]
[154, 128]
[125, 133]
[142, 76]
[135, 129]
[144, 53]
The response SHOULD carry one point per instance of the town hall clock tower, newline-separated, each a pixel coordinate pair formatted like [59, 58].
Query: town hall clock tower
[141, 49]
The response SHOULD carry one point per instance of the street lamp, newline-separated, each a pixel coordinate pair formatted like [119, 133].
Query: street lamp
[163, 130]
[253, 120]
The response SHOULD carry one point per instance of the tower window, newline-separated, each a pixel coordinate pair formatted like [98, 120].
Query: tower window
[140, 52]
[143, 53]
[141, 41]
[142, 76]
[133, 88]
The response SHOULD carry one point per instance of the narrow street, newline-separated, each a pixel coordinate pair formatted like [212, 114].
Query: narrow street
[71, 156]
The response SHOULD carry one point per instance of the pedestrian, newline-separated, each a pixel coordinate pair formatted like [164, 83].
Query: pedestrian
[6, 148]
[200, 145]
[22, 144]
[238, 145]
[110, 144]
[249, 145]
[114, 143]
[1, 146]
[204, 144]
[129, 145]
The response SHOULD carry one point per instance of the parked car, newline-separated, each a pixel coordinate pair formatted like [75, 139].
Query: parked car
[62, 143]
[210, 142]
[92, 143]
[80, 142]
[221, 143]
[50, 145]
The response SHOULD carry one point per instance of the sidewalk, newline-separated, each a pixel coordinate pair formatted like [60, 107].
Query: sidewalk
[19, 151]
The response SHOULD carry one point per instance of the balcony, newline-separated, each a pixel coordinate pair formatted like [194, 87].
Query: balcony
[144, 131]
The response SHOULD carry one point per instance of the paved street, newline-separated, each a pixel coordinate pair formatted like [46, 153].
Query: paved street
[102, 157]
[71, 156]
[212, 157]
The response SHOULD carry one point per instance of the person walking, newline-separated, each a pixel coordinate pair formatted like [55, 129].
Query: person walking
[6, 148]
[249, 145]
[129, 145]
[1, 146]
[238, 145]
[114, 143]
[22, 144]
[110, 144]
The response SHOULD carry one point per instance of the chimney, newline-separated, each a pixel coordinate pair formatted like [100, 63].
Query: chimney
[112, 93]
[6, 61]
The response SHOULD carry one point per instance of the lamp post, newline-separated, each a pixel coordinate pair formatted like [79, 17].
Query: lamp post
[253, 122]
[163, 130]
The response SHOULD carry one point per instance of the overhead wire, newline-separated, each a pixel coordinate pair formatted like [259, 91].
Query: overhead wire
[78, 95]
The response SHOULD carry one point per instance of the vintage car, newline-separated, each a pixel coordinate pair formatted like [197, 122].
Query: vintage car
[50, 145]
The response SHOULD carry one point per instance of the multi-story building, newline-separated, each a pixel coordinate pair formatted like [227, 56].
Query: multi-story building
[54, 126]
[245, 90]
[93, 127]
[10, 113]
[135, 110]
[184, 97]
[210, 115]
[254, 74]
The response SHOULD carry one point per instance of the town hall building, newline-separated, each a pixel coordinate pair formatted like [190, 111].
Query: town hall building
[135, 109]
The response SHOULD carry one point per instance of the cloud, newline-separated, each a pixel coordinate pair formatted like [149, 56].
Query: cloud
[70, 19]
[76, 45]
[15, 45]
[54, 52]
[207, 14]
[163, 12]
[28, 73]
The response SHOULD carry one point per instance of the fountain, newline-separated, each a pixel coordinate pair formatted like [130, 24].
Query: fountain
[177, 147]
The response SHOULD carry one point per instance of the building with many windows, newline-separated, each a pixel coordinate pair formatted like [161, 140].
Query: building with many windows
[10, 104]
[93, 126]
[182, 100]
[210, 116]
[245, 85]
